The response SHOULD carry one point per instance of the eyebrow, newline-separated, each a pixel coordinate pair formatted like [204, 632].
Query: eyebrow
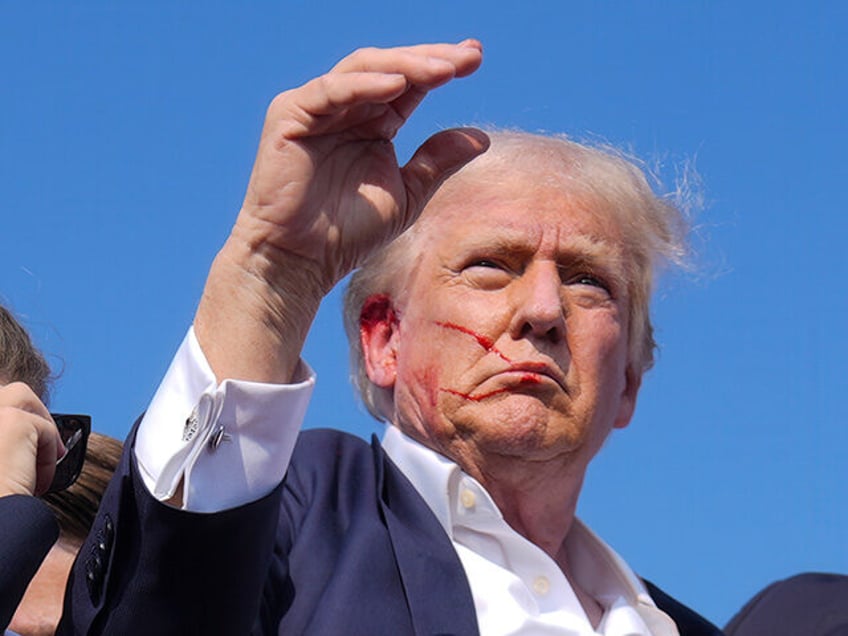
[590, 251]
[585, 247]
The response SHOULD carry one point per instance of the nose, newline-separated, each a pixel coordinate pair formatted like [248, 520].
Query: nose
[539, 311]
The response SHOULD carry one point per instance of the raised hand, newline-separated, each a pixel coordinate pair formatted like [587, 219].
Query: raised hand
[326, 190]
[30, 443]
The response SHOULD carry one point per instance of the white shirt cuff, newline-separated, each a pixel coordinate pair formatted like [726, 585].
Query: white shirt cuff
[229, 443]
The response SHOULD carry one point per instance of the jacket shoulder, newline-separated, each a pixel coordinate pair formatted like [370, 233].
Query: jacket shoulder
[811, 603]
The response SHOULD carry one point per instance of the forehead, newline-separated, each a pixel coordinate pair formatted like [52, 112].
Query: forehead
[515, 208]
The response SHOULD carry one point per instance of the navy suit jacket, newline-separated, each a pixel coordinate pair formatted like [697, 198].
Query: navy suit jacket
[27, 532]
[809, 604]
[345, 546]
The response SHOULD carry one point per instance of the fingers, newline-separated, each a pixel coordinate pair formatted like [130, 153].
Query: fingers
[439, 157]
[425, 65]
[400, 77]
[30, 443]
[333, 92]
[19, 395]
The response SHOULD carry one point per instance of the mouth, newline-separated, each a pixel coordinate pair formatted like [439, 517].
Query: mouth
[537, 373]
[517, 378]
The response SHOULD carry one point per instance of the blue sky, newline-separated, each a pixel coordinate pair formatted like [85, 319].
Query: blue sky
[127, 133]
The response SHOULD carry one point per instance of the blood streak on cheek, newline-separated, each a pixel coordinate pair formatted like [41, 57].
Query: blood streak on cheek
[474, 398]
[426, 381]
[527, 378]
[487, 343]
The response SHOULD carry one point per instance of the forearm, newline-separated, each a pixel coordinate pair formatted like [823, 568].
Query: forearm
[255, 312]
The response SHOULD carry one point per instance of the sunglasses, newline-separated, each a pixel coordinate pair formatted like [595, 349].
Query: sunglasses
[74, 430]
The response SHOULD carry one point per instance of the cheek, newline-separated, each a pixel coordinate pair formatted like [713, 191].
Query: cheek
[419, 405]
[599, 343]
[423, 385]
[440, 355]
[420, 367]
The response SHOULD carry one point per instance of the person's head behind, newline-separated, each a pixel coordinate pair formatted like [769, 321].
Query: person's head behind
[74, 508]
[652, 229]
[20, 360]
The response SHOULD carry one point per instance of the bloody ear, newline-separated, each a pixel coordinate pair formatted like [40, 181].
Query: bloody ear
[377, 327]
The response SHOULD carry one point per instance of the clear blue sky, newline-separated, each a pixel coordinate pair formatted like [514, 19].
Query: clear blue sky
[127, 132]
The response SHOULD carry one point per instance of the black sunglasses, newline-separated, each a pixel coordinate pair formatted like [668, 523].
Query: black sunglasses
[74, 430]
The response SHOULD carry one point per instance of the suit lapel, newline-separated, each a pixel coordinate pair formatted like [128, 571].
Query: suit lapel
[437, 592]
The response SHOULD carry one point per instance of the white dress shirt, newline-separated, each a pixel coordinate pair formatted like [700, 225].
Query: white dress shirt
[231, 444]
[517, 587]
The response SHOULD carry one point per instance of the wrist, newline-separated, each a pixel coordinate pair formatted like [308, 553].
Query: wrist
[255, 313]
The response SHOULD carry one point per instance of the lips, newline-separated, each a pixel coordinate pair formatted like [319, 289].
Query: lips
[513, 378]
[532, 371]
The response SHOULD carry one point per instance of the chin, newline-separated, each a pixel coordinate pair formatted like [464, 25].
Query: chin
[524, 428]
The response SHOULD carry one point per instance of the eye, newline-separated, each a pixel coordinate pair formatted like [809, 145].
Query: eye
[590, 285]
[483, 262]
[589, 279]
[486, 273]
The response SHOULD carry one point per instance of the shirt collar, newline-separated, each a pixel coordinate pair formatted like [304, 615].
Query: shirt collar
[430, 473]
[597, 567]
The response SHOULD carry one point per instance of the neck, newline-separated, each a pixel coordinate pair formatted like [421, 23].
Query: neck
[538, 499]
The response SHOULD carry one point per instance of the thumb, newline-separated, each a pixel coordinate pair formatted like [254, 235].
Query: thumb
[435, 160]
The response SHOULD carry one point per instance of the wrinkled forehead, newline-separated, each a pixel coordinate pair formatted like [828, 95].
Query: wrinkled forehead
[494, 198]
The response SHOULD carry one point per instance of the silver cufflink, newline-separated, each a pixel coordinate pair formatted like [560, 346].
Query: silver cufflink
[217, 437]
[190, 428]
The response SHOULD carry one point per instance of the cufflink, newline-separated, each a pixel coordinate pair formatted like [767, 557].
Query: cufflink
[217, 437]
[190, 428]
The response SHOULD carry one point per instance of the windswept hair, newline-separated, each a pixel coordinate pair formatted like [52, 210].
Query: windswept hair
[653, 226]
[76, 507]
[20, 361]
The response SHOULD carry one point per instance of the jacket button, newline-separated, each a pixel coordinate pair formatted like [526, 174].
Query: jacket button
[93, 579]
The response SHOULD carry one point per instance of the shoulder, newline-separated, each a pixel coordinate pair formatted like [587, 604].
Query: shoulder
[812, 604]
[321, 450]
[322, 440]
[689, 622]
[326, 461]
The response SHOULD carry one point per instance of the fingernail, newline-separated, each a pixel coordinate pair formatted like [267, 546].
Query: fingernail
[471, 43]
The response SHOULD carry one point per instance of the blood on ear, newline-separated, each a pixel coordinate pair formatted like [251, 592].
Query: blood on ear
[377, 324]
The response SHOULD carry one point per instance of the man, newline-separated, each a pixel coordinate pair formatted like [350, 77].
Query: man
[503, 337]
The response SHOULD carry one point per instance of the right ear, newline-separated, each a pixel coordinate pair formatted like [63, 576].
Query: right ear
[378, 327]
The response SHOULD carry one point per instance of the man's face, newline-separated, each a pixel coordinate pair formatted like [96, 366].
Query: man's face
[510, 338]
